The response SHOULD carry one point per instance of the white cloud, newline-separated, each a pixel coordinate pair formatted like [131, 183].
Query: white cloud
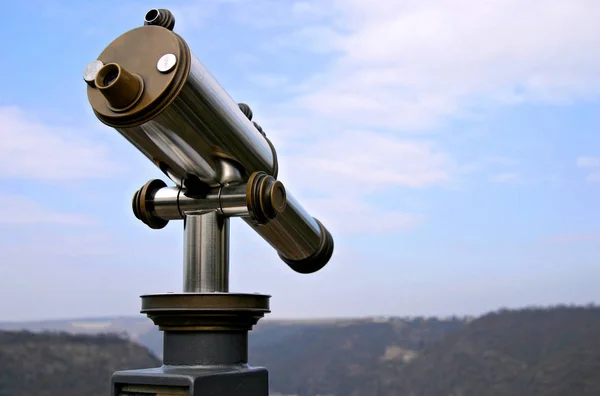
[268, 80]
[362, 161]
[194, 15]
[588, 162]
[594, 177]
[23, 211]
[500, 160]
[408, 64]
[342, 169]
[31, 149]
[507, 177]
[591, 163]
[351, 215]
[498, 165]
[83, 275]
[571, 238]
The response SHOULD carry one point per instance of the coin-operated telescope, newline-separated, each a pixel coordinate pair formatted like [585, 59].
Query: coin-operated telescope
[149, 87]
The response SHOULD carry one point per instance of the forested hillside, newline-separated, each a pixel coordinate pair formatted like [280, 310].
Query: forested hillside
[527, 352]
[63, 364]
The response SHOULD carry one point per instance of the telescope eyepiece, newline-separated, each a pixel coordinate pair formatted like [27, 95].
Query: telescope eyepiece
[120, 88]
[107, 75]
[110, 77]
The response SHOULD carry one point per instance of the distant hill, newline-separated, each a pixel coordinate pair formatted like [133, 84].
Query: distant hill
[60, 364]
[545, 352]
[342, 358]
[528, 352]
[344, 347]
[134, 326]
[266, 333]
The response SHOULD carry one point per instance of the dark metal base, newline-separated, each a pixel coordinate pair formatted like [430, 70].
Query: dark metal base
[230, 380]
[205, 347]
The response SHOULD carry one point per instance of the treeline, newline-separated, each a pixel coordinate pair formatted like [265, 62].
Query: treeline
[51, 364]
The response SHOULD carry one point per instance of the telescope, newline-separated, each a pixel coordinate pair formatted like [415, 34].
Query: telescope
[149, 87]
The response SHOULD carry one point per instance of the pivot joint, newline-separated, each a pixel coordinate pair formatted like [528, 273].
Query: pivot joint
[260, 200]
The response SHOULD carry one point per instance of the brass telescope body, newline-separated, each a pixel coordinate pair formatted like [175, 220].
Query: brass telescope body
[148, 86]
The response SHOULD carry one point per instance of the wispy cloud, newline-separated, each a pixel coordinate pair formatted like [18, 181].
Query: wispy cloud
[22, 211]
[592, 164]
[588, 162]
[363, 161]
[594, 177]
[499, 165]
[501, 160]
[32, 149]
[342, 169]
[507, 177]
[572, 238]
[411, 63]
[351, 215]
[269, 80]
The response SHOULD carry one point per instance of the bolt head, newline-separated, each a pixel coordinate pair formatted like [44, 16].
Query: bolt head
[166, 63]
[91, 70]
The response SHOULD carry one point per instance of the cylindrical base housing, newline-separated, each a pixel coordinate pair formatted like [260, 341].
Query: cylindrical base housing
[205, 348]
[205, 329]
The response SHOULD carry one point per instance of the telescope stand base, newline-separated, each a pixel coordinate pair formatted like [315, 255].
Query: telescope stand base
[240, 380]
[205, 347]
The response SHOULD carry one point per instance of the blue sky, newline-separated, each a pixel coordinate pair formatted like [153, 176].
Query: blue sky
[451, 147]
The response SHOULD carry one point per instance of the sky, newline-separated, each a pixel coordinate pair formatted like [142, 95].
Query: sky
[450, 146]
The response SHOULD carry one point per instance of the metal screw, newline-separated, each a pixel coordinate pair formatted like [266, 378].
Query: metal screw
[90, 72]
[166, 63]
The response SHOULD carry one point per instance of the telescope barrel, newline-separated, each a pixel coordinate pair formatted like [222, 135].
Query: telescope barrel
[149, 86]
[301, 241]
[173, 110]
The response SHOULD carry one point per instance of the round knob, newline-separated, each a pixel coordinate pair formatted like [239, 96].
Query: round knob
[142, 204]
[265, 197]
